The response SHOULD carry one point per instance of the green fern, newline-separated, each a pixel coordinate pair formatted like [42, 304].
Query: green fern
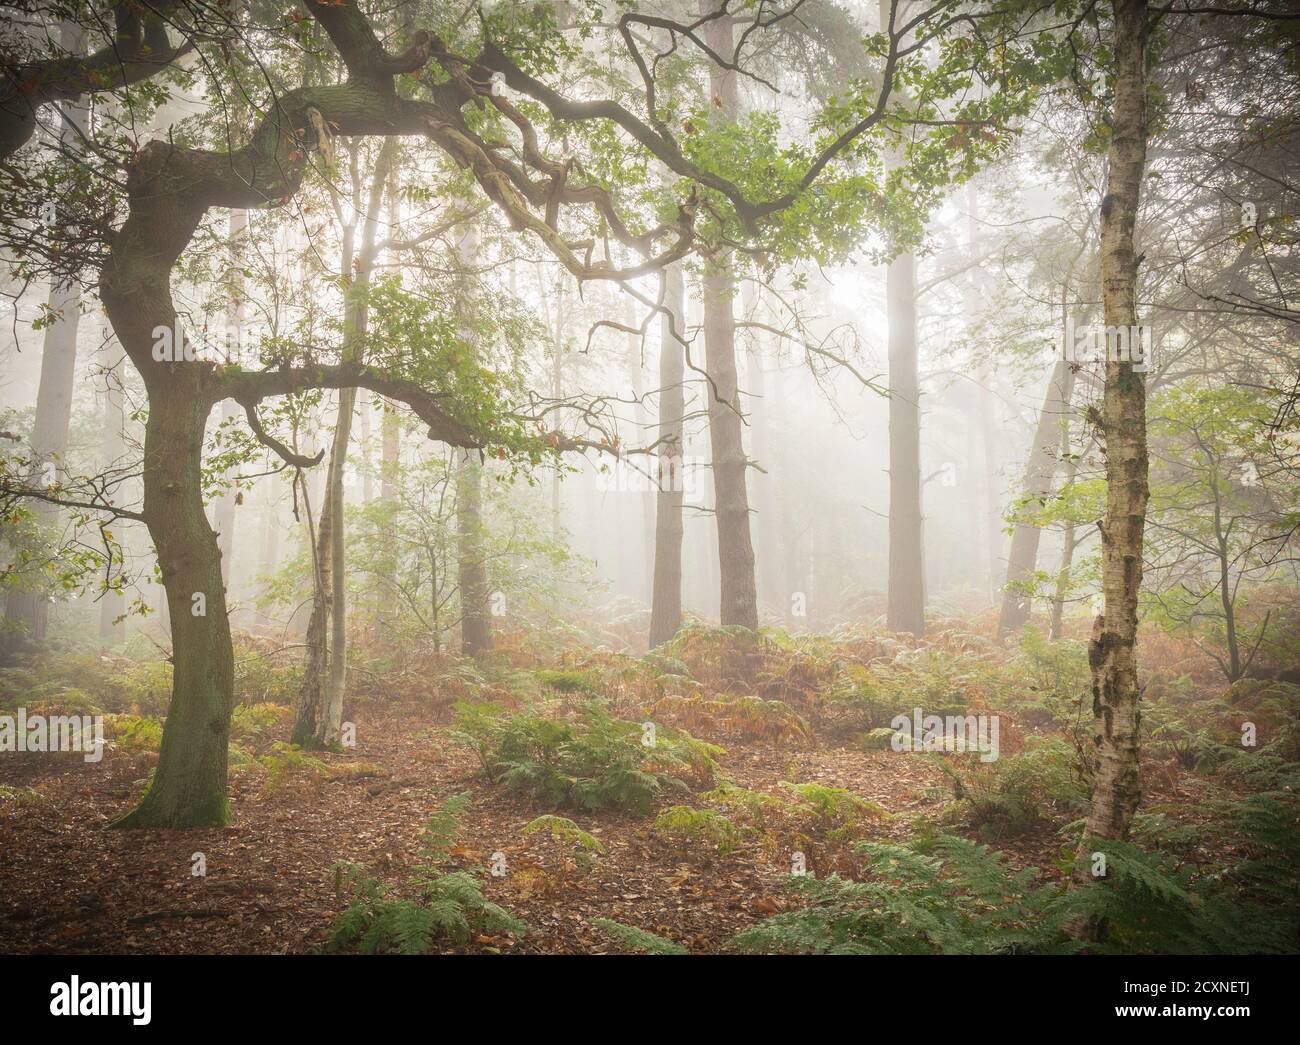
[446, 908]
[638, 941]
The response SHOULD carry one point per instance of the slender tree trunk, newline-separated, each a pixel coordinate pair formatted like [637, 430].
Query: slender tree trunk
[1112, 656]
[27, 611]
[906, 598]
[388, 468]
[976, 298]
[642, 431]
[906, 608]
[224, 515]
[557, 391]
[760, 482]
[1068, 543]
[666, 600]
[325, 680]
[475, 595]
[476, 618]
[112, 449]
[1040, 475]
[1225, 587]
[739, 600]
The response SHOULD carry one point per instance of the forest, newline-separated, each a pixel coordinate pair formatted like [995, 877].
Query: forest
[605, 477]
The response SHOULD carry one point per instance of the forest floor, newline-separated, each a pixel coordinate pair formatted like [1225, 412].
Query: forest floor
[67, 885]
[270, 881]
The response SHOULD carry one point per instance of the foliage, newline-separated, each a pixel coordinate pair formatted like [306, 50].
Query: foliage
[446, 907]
[950, 895]
[287, 763]
[250, 721]
[744, 717]
[562, 829]
[1011, 795]
[589, 760]
[638, 941]
[689, 828]
[133, 733]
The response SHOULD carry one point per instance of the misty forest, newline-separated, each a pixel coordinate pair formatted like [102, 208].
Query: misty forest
[669, 477]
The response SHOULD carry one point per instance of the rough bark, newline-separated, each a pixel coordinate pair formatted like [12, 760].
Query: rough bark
[1113, 651]
[189, 782]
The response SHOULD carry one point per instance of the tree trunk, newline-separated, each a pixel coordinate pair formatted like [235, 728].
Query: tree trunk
[27, 611]
[1068, 543]
[766, 580]
[1040, 474]
[738, 600]
[641, 432]
[325, 680]
[225, 510]
[906, 608]
[1112, 655]
[475, 615]
[666, 599]
[189, 783]
[475, 595]
[976, 293]
[112, 449]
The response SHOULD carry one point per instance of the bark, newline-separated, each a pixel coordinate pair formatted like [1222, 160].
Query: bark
[666, 598]
[738, 598]
[112, 448]
[906, 606]
[1040, 477]
[475, 595]
[635, 363]
[389, 467]
[906, 587]
[225, 510]
[189, 781]
[1113, 651]
[760, 486]
[976, 294]
[1069, 541]
[320, 707]
[1224, 556]
[365, 407]
[475, 615]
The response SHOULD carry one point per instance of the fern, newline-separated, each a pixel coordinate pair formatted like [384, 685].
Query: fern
[687, 827]
[591, 761]
[445, 908]
[638, 941]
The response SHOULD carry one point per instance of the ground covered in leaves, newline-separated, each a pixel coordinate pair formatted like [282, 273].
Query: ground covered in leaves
[801, 773]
